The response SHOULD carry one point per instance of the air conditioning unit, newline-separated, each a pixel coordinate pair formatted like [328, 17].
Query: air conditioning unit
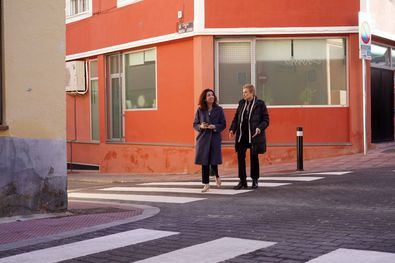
[75, 76]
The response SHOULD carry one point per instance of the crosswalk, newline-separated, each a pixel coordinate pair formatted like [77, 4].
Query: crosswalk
[142, 198]
[212, 251]
[88, 247]
[183, 192]
[353, 255]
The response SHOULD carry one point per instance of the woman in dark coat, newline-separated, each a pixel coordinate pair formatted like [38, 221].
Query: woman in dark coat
[209, 122]
[249, 125]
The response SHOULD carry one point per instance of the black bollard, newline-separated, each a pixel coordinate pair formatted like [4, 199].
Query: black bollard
[299, 148]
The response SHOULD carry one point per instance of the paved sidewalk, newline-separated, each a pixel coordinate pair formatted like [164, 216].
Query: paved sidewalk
[81, 217]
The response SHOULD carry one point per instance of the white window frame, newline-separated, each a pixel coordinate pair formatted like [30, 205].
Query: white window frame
[79, 16]
[90, 97]
[121, 3]
[124, 81]
[253, 69]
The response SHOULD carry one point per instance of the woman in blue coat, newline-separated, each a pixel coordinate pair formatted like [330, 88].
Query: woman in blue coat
[209, 122]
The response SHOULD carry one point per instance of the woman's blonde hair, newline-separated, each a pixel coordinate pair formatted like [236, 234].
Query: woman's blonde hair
[250, 87]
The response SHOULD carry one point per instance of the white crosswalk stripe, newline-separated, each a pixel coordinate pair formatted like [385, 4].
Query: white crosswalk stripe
[214, 251]
[141, 198]
[278, 178]
[200, 184]
[175, 190]
[88, 247]
[342, 255]
[134, 193]
[328, 173]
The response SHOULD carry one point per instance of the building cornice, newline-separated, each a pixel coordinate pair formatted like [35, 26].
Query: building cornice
[216, 32]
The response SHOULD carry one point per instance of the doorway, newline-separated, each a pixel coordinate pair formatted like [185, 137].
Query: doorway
[382, 101]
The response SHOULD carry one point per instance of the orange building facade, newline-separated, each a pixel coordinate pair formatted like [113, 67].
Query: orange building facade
[145, 63]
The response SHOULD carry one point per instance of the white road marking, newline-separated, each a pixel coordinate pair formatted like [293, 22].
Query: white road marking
[214, 251]
[176, 190]
[88, 247]
[143, 198]
[213, 184]
[343, 255]
[328, 173]
[282, 178]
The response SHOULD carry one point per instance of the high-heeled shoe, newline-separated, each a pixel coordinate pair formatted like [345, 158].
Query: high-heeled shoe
[206, 188]
[218, 181]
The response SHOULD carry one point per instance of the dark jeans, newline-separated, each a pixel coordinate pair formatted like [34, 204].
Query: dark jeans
[241, 159]
[206, 172]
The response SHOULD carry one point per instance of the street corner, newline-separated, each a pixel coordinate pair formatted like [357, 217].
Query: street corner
[80, 218]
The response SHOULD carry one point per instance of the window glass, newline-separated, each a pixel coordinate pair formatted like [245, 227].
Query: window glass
[287, 71]
[94, 110]
[140, 80]
[114, 64]
[393, 57]
[114, 98]
[94, 96]
[116, 109]
[380, 56]
[301, 71]
[93, 69]
[77, 6]
[234, 71]
[270, 57]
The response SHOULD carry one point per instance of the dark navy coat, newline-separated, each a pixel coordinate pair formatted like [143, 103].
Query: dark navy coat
[208, 142]
[259, 118]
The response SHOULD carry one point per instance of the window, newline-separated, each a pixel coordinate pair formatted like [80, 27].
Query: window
[121, 3]
[381, 56]
[140, 79]
[94, 99]
[285, 72]
[234, 69]
[114, 97]
[78, 9]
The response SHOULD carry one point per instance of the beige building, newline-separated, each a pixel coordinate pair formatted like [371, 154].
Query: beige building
[32, 107]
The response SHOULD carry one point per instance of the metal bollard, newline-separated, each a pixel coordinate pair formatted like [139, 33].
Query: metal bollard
[299, 148]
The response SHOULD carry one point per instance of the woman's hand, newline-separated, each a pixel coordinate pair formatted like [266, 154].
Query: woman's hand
[211, 126]
[257, 131]
[203, 125]
[231, 135]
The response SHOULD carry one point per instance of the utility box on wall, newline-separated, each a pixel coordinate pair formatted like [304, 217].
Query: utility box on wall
[75, 76]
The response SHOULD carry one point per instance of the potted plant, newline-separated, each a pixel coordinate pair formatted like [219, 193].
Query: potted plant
[306, 96]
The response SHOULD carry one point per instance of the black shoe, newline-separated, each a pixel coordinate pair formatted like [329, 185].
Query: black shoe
[254, 183]
[240, 185]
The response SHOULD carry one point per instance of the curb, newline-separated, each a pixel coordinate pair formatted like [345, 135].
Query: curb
[148, 211]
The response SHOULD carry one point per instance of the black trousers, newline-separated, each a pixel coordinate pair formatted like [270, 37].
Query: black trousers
[208, 170]
[241, 159]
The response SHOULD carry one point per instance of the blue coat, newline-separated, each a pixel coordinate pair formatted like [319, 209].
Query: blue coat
[208, 142]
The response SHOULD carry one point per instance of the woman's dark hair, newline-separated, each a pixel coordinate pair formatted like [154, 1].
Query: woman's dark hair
[202, 99]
